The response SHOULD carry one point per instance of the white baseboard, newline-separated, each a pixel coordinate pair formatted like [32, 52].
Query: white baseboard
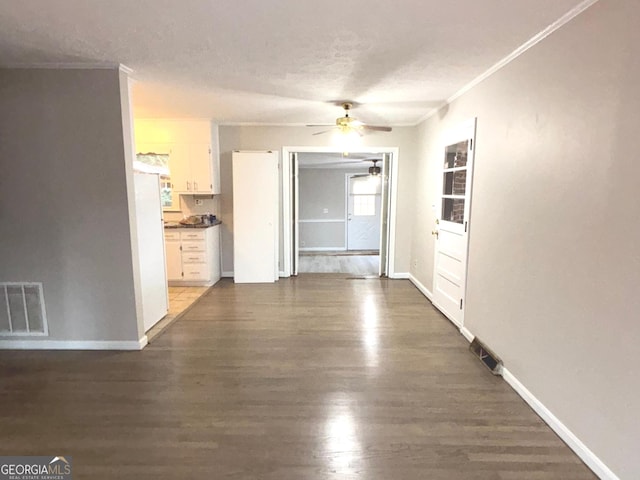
[399, 276]
[227, 274]
[587, 456]
[322, 249]
[425, 291]
[467, 334]
[73, 344]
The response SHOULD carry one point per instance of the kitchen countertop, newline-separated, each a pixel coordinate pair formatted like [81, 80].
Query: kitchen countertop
[200, 225]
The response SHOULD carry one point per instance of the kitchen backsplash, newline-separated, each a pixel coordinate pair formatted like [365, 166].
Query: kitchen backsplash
[188, 207]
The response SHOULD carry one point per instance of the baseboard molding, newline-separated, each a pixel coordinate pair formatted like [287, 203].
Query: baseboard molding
[227, 274]
[425, 291]
[587, 456]
[73, 344]
[399, 276]
[467, 334]
[322, 249]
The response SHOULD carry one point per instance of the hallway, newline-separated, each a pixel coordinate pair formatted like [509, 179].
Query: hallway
[313, 377]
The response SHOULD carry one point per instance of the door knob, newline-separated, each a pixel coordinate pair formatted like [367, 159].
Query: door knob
[436, 233]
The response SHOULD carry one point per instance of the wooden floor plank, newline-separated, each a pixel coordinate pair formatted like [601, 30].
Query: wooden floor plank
[310, 378]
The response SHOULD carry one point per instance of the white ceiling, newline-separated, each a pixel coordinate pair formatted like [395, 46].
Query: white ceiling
[278, 61]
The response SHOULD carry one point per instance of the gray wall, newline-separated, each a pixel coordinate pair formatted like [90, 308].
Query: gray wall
[554, 267]
[322, 188]
[274, 138]
[64, 205]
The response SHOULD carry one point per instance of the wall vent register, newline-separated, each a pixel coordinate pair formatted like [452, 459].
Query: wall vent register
[22, 310]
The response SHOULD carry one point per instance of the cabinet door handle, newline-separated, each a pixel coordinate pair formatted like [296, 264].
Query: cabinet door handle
[195, 186]
[188, 185]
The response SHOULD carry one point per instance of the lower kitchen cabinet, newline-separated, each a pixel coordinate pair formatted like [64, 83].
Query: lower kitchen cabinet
[193, 256]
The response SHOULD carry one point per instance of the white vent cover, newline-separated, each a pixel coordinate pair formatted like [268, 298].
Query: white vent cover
[22, 309]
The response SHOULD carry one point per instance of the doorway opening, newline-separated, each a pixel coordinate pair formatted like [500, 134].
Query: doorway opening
[339, 211]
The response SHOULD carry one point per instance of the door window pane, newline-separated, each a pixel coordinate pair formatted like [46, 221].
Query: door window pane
[453, 210]
[456, 155]
[455, 183]
[364, 205]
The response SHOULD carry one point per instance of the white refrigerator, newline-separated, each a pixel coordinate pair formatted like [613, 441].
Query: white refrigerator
[151, 254]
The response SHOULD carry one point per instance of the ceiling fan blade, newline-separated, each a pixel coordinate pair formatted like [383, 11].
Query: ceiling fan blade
[322, 125]
[320, 133]
[377, 128]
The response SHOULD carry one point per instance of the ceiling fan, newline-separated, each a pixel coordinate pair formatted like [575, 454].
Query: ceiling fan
[347, 124]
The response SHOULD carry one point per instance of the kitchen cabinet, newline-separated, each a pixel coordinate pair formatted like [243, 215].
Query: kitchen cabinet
[193, 255]
[195, 173]
[174, 256]
[194, 160]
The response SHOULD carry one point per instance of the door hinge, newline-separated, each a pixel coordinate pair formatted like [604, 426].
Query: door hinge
[180, 247]
[465, 227]
[471, 144]
[460, 304]
[209, 151]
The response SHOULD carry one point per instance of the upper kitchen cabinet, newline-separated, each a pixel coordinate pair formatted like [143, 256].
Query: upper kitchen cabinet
[193, 148]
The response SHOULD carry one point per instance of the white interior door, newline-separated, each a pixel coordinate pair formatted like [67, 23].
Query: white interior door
[153, 276]
[255, 217]
[364, 194]
[452, 229]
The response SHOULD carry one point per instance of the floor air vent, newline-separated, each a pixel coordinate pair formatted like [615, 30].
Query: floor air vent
[22, 309]
[486, 356]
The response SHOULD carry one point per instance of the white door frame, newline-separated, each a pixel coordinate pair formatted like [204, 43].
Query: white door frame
[452, 136]
[287, 199]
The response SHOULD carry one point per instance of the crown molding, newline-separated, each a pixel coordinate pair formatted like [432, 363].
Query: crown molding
[566, 18]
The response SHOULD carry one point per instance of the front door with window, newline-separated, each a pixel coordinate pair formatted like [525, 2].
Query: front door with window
[363, 211]
[452, 228]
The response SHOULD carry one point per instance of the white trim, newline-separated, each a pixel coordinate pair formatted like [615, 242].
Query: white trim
[322, 220]
[467, 334]
[322, 249]
[563, 20]
[68, 66]
[227, 274]
[420, 286]
[574, 443]
[399, 276]
[281, 273]
[127, 70]
[73, 344]
[287, 213]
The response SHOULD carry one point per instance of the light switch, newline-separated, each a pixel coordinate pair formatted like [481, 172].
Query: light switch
[325, 210]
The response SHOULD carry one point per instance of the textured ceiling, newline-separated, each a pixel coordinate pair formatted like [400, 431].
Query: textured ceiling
[278, 61]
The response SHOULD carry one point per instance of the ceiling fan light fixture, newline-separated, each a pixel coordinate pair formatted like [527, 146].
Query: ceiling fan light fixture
[375, 170]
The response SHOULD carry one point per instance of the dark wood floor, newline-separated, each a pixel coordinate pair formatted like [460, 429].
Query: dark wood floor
[311, 378]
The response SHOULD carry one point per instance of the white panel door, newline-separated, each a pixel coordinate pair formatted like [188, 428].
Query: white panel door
[452, 229]
[255, 217]
[153, 276]
[363, 211]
